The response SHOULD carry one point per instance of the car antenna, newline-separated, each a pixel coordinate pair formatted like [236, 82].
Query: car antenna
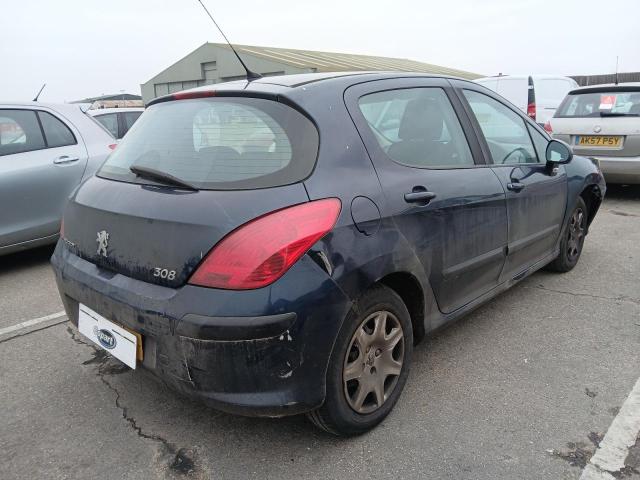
[39, 92]
[250, 74]
[616, 69]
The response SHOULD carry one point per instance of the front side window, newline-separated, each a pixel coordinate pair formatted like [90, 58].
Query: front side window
[19, 132]
[219, 143]
[504, 130]
[540, 142]
[417, 127]
[56, 132]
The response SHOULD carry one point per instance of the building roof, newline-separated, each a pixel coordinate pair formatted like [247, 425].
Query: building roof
[337, 62]
[115, 96]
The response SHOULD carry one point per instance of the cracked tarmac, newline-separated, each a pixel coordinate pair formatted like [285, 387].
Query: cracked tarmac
[522, 388]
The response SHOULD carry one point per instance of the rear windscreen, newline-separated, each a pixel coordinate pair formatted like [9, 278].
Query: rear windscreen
[219, 144]
[600, 104]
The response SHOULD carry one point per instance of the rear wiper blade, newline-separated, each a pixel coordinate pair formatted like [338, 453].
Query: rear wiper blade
[618, 114]
[162, 177]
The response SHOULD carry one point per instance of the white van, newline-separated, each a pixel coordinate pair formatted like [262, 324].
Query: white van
[536, 95]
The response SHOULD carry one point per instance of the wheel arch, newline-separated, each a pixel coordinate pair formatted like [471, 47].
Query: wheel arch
[592, 196]
[409, 289]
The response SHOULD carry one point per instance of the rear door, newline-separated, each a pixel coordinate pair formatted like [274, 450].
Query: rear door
[536, 196]
[549, 94]
[449, 207]
[42, 159]
[514, 89]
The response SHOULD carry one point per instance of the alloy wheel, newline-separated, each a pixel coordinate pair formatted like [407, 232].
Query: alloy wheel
[576, 233]
[373, 362]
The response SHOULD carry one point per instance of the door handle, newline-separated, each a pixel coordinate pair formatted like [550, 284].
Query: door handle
[64, 159]
[515, 186]
[419, 195]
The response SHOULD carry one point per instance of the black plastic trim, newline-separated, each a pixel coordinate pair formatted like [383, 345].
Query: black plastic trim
[234, 328]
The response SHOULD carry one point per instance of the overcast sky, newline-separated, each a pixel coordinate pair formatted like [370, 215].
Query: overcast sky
[84, 48]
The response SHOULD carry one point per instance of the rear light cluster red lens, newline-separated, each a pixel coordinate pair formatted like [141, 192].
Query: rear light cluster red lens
[547, 127]
[259, 252]
[531, 111]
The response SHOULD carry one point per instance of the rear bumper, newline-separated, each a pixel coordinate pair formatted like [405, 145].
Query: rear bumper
[259, 352]
[620, 169]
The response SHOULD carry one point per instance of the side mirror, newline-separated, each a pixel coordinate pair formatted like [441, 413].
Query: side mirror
[558, 152]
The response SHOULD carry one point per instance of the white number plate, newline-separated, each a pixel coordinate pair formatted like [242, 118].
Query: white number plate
[113, 338]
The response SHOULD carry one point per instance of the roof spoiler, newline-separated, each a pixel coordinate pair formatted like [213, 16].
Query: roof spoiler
[84, 107]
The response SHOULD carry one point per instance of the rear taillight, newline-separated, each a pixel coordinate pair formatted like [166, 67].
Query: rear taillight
[547, 127]
[259, 252]
[113, 146]
[531, 111]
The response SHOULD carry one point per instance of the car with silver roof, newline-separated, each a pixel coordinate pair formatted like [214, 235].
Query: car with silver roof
[117, 120]
[603, 122]
[46, 151]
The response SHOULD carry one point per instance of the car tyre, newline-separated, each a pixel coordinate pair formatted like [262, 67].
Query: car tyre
[372, 352]
[572, 241]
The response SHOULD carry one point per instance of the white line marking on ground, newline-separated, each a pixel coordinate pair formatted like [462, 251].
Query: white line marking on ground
[614, 447]
[31, 323]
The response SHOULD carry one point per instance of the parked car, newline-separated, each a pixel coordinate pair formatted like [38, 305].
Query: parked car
[603, 122]
[277, 247]
[536, 95]
[117, 120]
[46, 150]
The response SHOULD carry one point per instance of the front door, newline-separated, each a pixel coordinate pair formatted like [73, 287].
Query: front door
[536, 195]
[448, 206]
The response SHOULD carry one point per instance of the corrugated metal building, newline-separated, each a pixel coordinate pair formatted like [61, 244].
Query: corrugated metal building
[586, 80]
[214, 62]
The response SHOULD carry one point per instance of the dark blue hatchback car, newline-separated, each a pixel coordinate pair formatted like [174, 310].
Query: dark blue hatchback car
[277, 247]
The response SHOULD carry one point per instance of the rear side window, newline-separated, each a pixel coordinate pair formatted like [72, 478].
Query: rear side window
[56, 132]
[19, 132]
[417, 127]
[219, 144]
[504, 130]
[110, 122]
[600, 104]
[129, 119]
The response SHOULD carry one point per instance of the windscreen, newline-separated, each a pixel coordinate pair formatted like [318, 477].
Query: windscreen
[218, 144]
[599, 104]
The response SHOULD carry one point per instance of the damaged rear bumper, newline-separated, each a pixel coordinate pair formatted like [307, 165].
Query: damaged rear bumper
[258, 352]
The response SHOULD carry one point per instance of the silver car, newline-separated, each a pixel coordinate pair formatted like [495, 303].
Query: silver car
[117, 120]
[603, 122]
[46, 150]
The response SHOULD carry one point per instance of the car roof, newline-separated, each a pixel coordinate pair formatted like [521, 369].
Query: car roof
[283, 84]
[534, 76]
[103, 111]
[61, 107]
[608, 87]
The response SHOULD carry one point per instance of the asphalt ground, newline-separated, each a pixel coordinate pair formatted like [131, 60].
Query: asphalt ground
[523, 388]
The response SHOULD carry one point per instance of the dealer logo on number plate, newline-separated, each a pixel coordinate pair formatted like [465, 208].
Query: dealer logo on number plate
[105, 337]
